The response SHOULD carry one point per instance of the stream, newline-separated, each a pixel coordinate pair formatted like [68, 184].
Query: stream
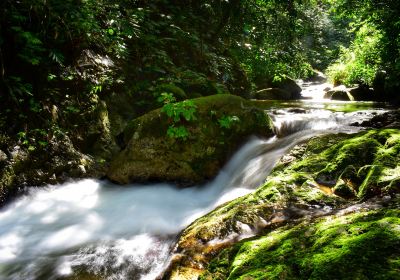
[128, 232]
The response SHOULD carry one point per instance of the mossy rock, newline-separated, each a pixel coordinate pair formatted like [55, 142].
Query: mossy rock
[360, 245]
[288, 85]
[195, 84]
[150, 155]
[268, 89]
[178, 93]
[273, 94]
[355, 166]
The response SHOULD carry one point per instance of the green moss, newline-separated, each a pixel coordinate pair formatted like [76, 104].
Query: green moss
[151, 155]
[363, 162]
[178, 92]
[354, 165]
[355, 246]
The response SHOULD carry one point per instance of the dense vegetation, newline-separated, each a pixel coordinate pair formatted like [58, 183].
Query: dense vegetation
[143, 91]
[58, 58]
[372, 58]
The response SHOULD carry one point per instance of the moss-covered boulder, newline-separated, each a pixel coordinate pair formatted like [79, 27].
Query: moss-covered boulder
[223, 123]
[196, 85]
[56, 162]
[326, 173]
[362, 245]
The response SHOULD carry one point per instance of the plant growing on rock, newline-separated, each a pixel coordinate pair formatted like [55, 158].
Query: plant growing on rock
[227, 121]
[177, 112]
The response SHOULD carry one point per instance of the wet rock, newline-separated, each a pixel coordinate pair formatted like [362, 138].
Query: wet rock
[273, 94]
[341, 95]
[290, 86]
[388, 120]
[315, 249]
[351, 166]
[152, 156]
[3, 157]
[344, 190]
[362, 93]
[57, 162]
[297, 110]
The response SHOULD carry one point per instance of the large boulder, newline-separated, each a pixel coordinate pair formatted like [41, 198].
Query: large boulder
[326, 173]
[340, 93]
[57, 162]
[362, 93]
[223, 123]
[273, 94]
[292, 89]
[290, 86]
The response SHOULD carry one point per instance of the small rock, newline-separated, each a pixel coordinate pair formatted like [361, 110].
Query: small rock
[3, 156]
[82, 169]
[297, 110]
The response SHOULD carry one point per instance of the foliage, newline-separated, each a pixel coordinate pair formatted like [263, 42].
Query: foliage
[227, 121]
[378, 23]
[177, 112]
[65, 56]
[359, 63]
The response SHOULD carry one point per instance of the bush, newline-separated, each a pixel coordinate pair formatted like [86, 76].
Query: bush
[359, 63]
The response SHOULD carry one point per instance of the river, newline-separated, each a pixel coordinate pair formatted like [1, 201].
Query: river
[128, 232]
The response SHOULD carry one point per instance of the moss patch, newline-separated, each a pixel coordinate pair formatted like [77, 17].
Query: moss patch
[354, 167]
[355, 246]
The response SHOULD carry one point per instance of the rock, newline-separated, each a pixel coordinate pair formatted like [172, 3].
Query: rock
[152, 156]
[3, 156]
[379, 83]
[362, 93]
[341, 95]
[388, 120]
[356, 167]
[314, 249]
[178, 93]
[297, 110]
[285, 83]
[343, 190]
[196, 84]
[273, 94]
[98, 138]
[290, 86]
[55, 163]
[316, 77]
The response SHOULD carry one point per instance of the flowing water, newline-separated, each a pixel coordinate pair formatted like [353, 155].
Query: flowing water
[128, 232]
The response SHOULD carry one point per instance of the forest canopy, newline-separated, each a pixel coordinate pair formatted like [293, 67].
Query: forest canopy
[59, 59]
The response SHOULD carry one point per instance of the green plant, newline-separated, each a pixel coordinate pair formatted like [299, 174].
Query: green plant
[33, 139]
[359, 63]
[177, 112]
[227, 121]
[179, 132]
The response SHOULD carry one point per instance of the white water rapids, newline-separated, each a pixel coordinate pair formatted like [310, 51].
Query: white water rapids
[128, 232]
